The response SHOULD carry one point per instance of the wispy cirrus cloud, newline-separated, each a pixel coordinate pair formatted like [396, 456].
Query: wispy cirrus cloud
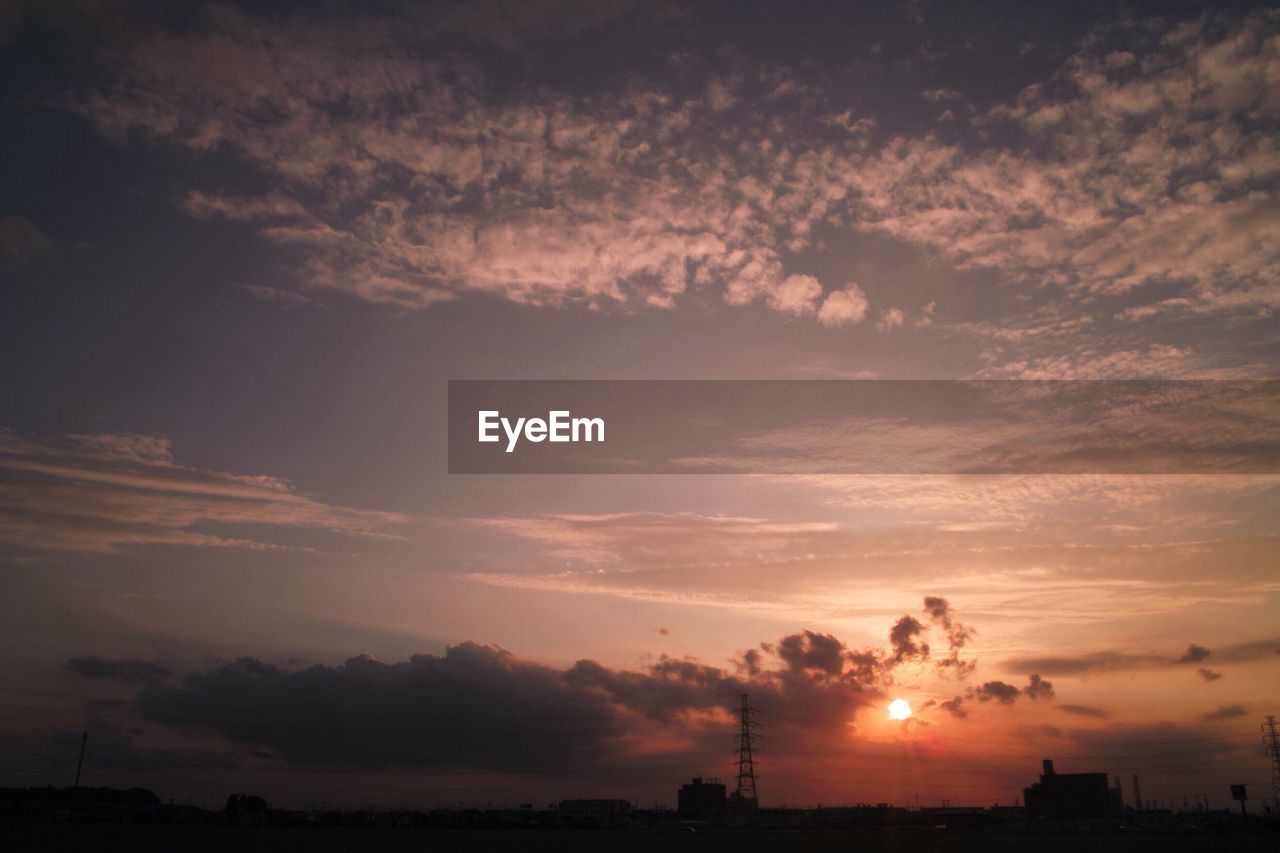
[1126, 661]
[101, 493]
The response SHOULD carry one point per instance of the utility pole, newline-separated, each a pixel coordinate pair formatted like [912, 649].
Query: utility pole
[745, 795]
[1271, 743]
[79, 764]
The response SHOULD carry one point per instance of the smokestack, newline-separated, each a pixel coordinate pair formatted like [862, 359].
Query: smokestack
[1137, 794]
[1048, 767]
[1119, 794]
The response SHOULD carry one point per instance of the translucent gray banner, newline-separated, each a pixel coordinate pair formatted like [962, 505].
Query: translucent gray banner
[864, 427]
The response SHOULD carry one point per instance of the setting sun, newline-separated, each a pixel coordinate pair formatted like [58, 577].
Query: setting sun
[899, 709]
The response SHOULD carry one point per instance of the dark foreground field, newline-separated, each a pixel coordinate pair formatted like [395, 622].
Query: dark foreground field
[82, 837]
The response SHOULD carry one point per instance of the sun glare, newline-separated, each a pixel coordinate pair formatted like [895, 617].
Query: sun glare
[899, 709]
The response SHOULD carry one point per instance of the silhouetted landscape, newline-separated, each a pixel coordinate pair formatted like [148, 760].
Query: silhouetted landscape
[1061, 811]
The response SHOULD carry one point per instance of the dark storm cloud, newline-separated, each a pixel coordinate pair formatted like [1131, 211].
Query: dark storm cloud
[1084, 711]
[663, 691]
[1224, 713]
[475, 706]
[1114, 661]
[139, 671]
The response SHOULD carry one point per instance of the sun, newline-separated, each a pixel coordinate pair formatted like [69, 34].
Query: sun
[899, 709]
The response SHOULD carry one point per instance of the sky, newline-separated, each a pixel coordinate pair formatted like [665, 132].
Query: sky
[244, 247]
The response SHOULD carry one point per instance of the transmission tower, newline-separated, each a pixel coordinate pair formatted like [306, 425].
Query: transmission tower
[745, 795]
[1271, 741]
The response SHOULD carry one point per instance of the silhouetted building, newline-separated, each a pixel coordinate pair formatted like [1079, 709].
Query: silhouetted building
[595, 812]
[699, 800]
[1067, 796]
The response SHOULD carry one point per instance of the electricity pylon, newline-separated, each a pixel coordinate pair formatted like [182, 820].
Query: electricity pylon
[1271, 743]
[745, 795]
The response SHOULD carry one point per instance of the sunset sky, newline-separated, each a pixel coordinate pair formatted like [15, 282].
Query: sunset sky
[244, 247]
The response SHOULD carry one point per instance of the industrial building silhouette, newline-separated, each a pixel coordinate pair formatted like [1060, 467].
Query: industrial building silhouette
[701, 800]
[1071, 796]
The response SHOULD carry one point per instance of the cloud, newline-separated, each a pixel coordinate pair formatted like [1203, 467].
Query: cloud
[475, 706]
[1128, 190]
[1038, 688]
[596, 202]
[1002, 693]
[1113, 661]
[904, 637]
[1185, 755]
[1149, 137]
[1194, 654]
[654, 538]
[958, 634]
[1095, 662]
[845, 307]
[808, 650]
[102, 493]
[482, 707]
[1208, 674]
[1224, 713]
[1083, 711]
[998, 691]
[1104, 546]
[21, 240]
[941, 94]
[890, 318]
[146, 672]
[797, 294]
